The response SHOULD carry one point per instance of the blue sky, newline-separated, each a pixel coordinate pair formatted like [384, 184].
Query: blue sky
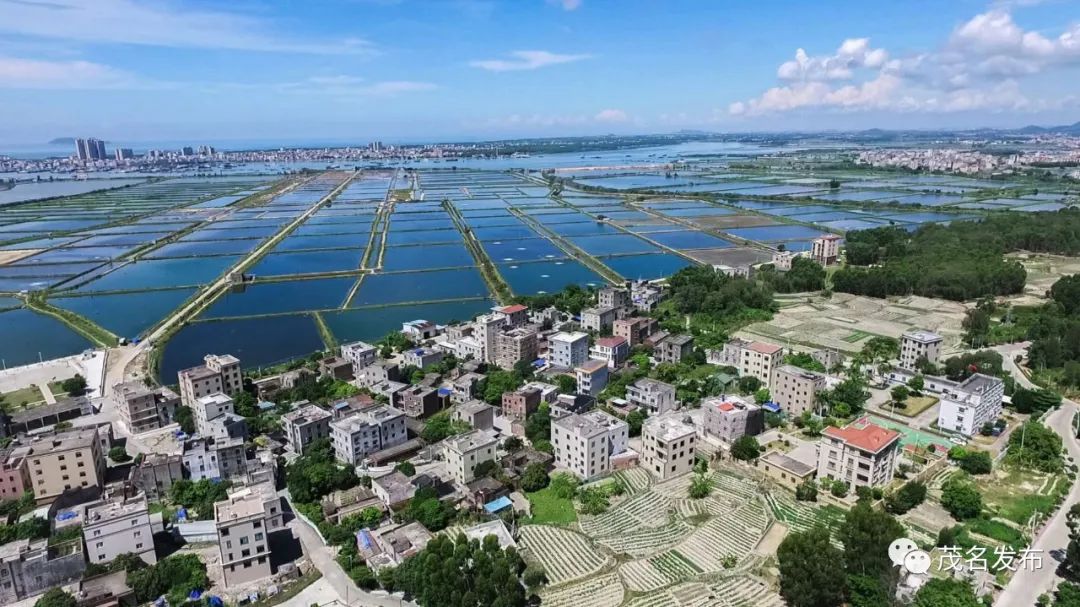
[445, 69]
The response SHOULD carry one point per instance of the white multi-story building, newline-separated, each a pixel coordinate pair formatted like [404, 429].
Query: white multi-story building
[218, 375]
[585, 443]
[731, 417]
[917, 344]
[591, 376]
[598, 319]
[113, 527]
[208, 408]
[360, 354]
[667, 446]
[568, 350]
[304, 425]
[652, 395]
[465, 452]
[358, 436]
[244, 522]
[862, 456]
[972, 403]
[825, 249]
[615, 350]
[750, 358]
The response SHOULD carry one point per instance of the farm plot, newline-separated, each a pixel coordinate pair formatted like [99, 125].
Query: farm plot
[643, 542]
[656, 572]
[643, 510]
[634, 479]
[736, 534]
[565, 555]
[801, 516]
[599, 591]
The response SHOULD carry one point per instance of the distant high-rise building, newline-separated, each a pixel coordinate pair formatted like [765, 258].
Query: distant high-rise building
[187, 151]
[124, 154]
[99, 149]
[375, 146]
[206, 150]
[90, 149]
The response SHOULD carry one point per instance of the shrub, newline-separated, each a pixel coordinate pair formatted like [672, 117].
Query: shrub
[839, 488]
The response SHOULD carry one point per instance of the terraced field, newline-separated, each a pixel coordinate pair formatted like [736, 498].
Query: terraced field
[565, 555]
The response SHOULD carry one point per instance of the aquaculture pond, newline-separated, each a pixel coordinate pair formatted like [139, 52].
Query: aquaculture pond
[125, 314]
[378, 289]
[257, 342]
[282, 297]
[547, 276]
[308, 262]
[161, 274]
[427, 257]
[647, 266]
[24, 335]
[369, 324]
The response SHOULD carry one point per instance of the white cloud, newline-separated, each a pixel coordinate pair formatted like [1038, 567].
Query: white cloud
[343, 85]
[567, 5]
[853, 54]
[611, 115]
[981, 66]
[526, 60]
[17, 73]
[165, 24]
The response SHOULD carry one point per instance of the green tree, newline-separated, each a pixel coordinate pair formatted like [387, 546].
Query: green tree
[74, 386]
[749, 384]
[567, 384]
[186, 419]
[940, 592]
[405, 468]
[513, 444]
[1067, 595]
[809, 576]
[457, 572]
[899, 395]
[762, 396]
[634, 420]
[745, 448]
[700, 486]
[866, 534]
[961, 499]
[56, 597]
[118, 454]
[1066, 292]
[905, 498]
[534, 478]
[497, 382]
[917, 384]
[807, 491]
[538, 425]
[316, 473]
[1035, 446]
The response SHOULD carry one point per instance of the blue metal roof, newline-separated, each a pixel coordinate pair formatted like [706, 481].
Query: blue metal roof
[497, 505]
[771, 407]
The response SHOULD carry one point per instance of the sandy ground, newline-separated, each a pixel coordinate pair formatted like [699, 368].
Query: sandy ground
[1043, 271]
[844, 322]
[7, 257]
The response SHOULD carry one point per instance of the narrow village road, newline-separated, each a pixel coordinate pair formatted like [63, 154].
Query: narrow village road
[1026, 585]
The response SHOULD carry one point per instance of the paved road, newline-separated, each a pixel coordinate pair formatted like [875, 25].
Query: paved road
[348, 592]
[1026, 585]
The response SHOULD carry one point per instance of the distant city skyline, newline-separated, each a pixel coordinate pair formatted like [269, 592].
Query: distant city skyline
[415, 70]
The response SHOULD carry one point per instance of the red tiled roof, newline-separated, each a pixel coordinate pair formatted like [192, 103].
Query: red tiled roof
[872, 438]
[726, 407]
[514, 308]
[610, 342]
[764, 348]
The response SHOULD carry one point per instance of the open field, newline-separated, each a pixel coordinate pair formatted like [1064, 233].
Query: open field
[844, 322]
[914, 405]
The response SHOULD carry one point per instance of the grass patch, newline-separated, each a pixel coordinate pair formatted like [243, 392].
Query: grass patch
[1015, 495]
[23, 398]
[856, 336]
[550, 509]
[915, 405]
[997, 530]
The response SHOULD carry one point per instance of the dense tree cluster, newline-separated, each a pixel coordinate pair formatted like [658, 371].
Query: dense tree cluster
[1055, 332]
[987, 362]
[808, 562]
[1035, 446]
[961, 261]
[316, 473]
[961, 498]
[716, 303]
[457, 572]
[804, 275]
[198, 497]
[905, 498]
[572, 299]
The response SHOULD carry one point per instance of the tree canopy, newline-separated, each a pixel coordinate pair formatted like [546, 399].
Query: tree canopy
[316, 473]
[809, 576]
[457, 572]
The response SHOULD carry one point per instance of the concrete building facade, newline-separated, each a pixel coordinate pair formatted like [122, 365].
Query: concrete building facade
[114, 527]
[918, 344]
[796, 389]
[615, 350]
[370, 430]
[305, 425]
[65, 460]
[668, 446]
[219, 374]
[585, 443]
[591, 376]
[466, 451]
[863, 457]
[652, 395]
[568, 350]
[730, 417]
[142, 408]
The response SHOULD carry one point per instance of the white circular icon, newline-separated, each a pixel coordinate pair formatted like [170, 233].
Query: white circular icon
[917, 562]
[899, 549]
